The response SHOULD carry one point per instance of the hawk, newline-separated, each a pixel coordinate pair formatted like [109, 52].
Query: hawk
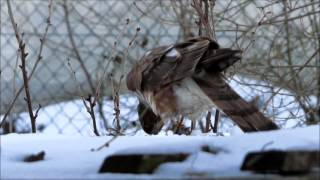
[186, 79]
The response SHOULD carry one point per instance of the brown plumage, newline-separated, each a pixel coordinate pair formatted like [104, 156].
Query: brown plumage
[186, 79]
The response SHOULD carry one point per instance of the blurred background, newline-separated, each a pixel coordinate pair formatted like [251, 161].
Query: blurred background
[92, 44]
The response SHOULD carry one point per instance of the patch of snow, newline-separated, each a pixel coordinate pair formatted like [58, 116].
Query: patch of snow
[71, 156]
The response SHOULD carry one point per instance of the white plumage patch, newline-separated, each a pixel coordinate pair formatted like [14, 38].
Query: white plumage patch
[147, 53]
[147, 96]
[173, 53]
[191, 99]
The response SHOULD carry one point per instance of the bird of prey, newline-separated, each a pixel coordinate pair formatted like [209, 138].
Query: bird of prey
[186, 79]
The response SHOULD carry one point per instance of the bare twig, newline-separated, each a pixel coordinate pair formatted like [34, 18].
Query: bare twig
[74, 47]
[203, 17]
[264, 147]
[316, 24]
[293, 76]
[113, 51]
[181, 11]
[39, 57]
[23, 57]
[98, 88]
[117, 84]
[116, 102]
[91, 101]
[203, 14]
[107, 144]
[90, 110]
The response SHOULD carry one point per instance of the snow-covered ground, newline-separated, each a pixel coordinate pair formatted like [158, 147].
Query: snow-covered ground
[71, 156]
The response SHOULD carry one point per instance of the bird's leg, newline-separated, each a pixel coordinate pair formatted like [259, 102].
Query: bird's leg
[208, 122]
[193, 124]
[202, 127]
[179, 124]
[216, 121]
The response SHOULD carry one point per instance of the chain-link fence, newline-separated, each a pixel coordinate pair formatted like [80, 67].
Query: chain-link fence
[90, 37]
[82, 33]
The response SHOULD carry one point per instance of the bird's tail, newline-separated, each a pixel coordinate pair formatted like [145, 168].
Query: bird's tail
[245, 115]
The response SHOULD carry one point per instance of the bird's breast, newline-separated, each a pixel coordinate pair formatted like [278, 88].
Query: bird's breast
[182, 98]
[191, 99]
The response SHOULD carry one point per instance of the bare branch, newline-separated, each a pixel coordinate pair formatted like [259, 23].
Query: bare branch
[39, 57]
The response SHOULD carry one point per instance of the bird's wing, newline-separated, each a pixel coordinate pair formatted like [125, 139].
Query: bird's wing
[172, 63]
[245, 115]
[146, 64]
[164, 65]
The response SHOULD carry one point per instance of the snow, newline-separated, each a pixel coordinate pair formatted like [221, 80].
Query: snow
[70, 156]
